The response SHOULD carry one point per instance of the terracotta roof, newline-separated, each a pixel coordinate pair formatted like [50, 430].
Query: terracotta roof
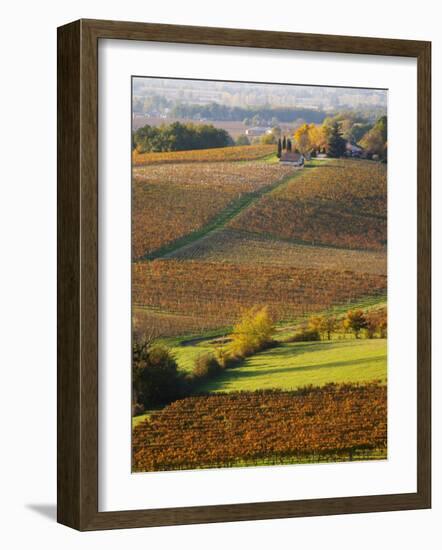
[295, 157]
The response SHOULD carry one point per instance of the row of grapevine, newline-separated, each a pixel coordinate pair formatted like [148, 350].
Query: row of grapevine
[341, 204]
[222, 291]
[218, 154]
[233, 246]
[172, 200]
[335, 422]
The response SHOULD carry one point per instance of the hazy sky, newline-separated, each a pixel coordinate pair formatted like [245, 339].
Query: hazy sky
[238, 93]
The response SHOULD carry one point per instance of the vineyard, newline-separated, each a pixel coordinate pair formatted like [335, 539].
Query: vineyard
[335, 422]
[218, 232]
[219, 292]
[172, 201]
[241, 247]
[218, 154]
[355, 185]
[341, 204]
[165, 324]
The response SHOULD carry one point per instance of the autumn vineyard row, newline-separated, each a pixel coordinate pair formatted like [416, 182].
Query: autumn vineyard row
[222, 291]
[219, 154]
[341, 204]
[241, 247]
[334, 422]
[171, 201]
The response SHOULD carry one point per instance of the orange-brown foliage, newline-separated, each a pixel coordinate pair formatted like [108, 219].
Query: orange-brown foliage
[170, 201]
[328, 423]
[343, 203]
[220, 292]
[218, 154]
[233, 246]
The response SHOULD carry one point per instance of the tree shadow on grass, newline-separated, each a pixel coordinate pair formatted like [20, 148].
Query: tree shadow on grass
[266, 370]
[305, 348]
[289, 350]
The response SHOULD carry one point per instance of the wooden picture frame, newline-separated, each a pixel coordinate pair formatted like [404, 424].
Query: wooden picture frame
[78, 274]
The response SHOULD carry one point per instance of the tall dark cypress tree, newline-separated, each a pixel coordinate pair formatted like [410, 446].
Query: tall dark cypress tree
[289, 145]
[336, 143]
[284, 143]
[278, 154]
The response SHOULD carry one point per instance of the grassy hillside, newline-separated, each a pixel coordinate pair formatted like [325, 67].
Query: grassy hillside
[298, 364]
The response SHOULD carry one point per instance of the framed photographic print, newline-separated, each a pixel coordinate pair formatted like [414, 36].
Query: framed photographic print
[243, 275]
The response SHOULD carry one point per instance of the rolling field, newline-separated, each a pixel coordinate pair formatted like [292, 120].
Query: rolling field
[340, 204]
[242, 247]
[216, 233]
[335, 422]
[220, 292]
[172, 201]
[176, 327]
[218, 154]
[165, 324]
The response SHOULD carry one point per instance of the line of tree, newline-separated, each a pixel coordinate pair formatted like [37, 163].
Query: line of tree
[284, 144]
[179, 137]
[250, 115]
[253, 333]
[369, 324]
[157, 104]
[333, 135]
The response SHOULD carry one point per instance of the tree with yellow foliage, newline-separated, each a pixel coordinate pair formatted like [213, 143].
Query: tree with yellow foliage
[302, 139]
[309, 138]
[252, 333]
[323, 324]
[315, 322]
[355, 320]
[317, 137]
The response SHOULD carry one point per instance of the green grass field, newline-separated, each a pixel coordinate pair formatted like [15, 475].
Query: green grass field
[291, 366]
